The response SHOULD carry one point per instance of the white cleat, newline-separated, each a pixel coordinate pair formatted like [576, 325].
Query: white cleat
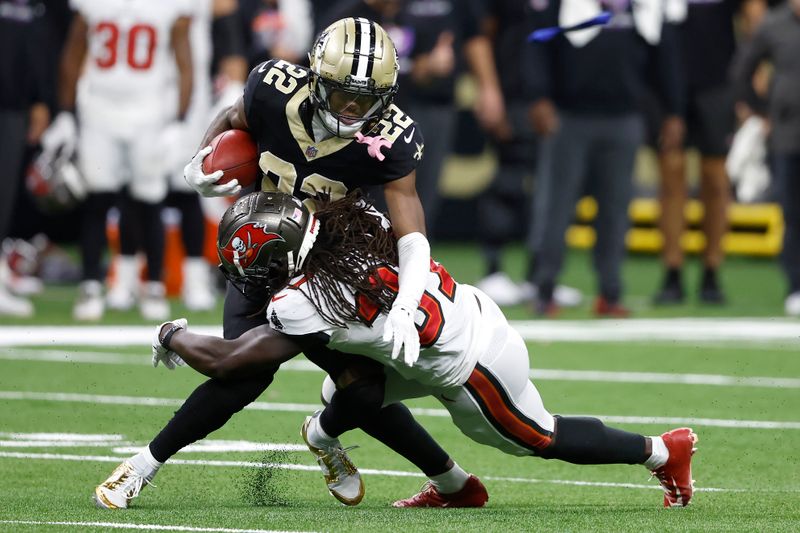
[198, 287]
[563, 296]
[11, 305]
[792, 304]
[500, 288]
[90, 305]
[123, 485]
[122, 293]
[342, 477]
[153, 304]
[120, 298]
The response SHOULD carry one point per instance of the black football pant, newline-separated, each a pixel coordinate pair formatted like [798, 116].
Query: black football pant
[214, 402]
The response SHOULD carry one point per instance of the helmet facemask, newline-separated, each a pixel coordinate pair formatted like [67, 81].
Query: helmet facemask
[353, 76]
[344, 110]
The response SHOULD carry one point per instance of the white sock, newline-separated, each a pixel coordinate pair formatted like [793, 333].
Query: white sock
[317, 436]
[659, 456]
[451, 481]
[145, 463]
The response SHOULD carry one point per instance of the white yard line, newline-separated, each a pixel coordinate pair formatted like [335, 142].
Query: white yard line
[539, 374]
[370, 471]
[148, 527]
[310, 407]
[118, 445]
[646, 330]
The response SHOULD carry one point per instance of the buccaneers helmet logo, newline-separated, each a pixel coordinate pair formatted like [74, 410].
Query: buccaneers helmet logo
[246, 244]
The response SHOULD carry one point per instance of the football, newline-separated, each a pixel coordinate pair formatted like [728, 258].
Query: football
[235, 153]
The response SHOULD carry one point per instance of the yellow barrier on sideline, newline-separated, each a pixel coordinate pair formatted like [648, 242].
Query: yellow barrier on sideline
[755, 229]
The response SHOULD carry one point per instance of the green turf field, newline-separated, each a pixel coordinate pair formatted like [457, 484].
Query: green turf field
[69, 414]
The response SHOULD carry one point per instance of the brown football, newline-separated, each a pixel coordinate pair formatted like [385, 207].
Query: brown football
[235, 153]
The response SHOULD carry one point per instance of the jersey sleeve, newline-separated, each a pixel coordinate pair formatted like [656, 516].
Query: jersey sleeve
[291, 313]
[255, 94]
[407, 148]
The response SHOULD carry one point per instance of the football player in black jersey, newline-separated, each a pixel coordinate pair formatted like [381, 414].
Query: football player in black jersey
[328, 128]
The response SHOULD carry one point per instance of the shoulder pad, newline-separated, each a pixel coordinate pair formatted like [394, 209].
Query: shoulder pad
[290, 312]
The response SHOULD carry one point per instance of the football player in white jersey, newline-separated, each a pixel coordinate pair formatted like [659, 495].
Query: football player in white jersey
[116, 72]
[180, 143]
[335, 272]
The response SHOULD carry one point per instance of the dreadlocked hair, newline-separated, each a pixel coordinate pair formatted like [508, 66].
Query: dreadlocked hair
[350, 247]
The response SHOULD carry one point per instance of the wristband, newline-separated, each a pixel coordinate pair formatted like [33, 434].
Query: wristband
[168, 335]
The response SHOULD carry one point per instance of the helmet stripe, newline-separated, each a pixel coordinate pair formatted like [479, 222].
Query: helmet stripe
[364, 45]
[372, 39]
[357, 45]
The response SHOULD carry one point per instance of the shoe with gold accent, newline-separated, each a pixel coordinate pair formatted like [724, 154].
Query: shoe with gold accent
[123, 485]
[342, 477]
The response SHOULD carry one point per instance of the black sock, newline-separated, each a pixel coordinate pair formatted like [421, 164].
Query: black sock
[130, 230]
[673, 276]
[709, 277]
[353, 406]
[587, 441]
[93, 233]
[396, 428]
[491, 253]
[192, 221]
[359, 405]
[207, 409]
[546, 291]
[149, 217]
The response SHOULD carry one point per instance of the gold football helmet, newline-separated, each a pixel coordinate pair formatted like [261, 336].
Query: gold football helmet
[354, 75]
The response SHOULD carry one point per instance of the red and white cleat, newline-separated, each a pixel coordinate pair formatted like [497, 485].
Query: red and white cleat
[676, 475]
[472, 494]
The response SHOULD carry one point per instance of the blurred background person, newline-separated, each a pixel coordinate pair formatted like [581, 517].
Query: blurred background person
[25, 93]
[430, 38]
[503, 208]
[777, 40]
[585, 88]
[504, 205]
[707, 38]
[214, 34]
[280, 29]
[116, 68]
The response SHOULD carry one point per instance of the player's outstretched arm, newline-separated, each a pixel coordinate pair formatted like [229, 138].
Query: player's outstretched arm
[414, 252]
[252, 352]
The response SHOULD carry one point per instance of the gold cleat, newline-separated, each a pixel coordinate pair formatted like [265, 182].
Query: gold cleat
[123, 485]
[341, 475]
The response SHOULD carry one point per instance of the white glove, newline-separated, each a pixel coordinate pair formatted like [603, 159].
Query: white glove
[205, 184]
[62, 132]
[160, 354]
[400, 327]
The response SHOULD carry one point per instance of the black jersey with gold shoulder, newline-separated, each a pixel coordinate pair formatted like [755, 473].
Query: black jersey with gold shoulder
[275, 97]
